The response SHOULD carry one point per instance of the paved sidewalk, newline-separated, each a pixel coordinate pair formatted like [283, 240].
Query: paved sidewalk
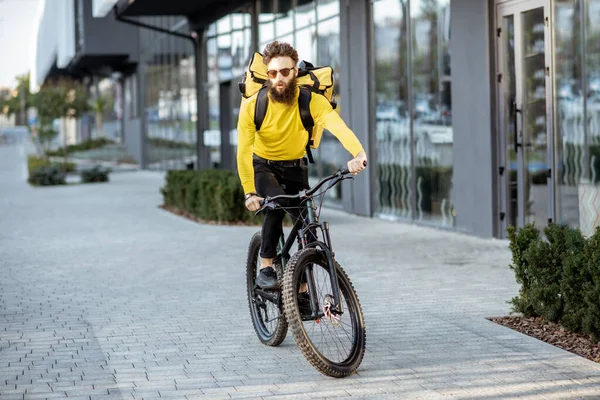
[104, 295]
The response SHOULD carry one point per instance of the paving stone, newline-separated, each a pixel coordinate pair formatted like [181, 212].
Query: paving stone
[109, 292]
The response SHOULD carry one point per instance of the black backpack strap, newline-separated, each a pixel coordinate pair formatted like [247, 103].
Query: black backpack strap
[307, 119]
[262, 103]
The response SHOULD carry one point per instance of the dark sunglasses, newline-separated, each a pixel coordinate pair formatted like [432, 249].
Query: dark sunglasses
[272, 73]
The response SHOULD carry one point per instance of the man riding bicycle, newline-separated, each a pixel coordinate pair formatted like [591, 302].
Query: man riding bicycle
[271, 161]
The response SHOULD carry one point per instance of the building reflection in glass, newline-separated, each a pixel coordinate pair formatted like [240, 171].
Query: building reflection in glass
[171, 109]
[577, 111]
[413, 110]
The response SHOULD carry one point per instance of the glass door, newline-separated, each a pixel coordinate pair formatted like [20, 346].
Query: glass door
[525, 120]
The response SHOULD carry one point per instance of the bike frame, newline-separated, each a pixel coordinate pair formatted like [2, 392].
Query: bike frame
[302, 231]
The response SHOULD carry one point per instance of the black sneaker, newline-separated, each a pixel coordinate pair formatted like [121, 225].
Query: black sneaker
[267, 279]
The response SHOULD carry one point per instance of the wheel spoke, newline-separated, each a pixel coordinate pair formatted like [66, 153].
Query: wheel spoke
[336, 348]
[268, 321]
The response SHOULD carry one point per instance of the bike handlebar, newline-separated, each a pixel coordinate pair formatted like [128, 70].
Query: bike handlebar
[269, 200]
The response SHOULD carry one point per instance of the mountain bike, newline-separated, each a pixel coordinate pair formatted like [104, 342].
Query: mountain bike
[317, 299]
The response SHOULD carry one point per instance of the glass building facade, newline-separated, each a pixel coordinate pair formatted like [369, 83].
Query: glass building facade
[229, 43]
[514, 140]
[577, 110]
[105, 119]
[169, 95]
[413, 110]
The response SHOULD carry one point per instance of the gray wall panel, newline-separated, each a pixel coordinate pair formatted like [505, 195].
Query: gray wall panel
[133, 139]
[355, 17]
[473, 152]
[134, 126]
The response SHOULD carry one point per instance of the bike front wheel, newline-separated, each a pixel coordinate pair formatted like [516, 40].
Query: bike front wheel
[333, 343]
[266, 307]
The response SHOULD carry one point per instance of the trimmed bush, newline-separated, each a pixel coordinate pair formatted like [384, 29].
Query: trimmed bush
[212, 195]
[83, 146]
[559, 276]
[47, 176]
[95, 174]
[170, 144]
[34, 162]
[591, 289]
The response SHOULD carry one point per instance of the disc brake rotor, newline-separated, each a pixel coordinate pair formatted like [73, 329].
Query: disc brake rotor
[334, 319]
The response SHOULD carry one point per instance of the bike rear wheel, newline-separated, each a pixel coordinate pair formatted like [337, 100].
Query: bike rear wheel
[266, 309]
[333, 344]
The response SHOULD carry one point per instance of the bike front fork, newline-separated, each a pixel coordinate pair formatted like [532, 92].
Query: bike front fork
[337, 307]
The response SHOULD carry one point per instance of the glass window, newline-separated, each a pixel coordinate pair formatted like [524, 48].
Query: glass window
[327, 9]
[592, 66]
[568, 104]
[238, 20]
[211, 49]
[289, 38]
[284, 24]
[577, 100]
[306, 44]
[239, 53]
[212, 30]
[305, 15]
[432, 134]
[266, 33]
[330, 155]
[171, 109]
[394, 181]
[248, 46]
[224, 57]
[107, 111]
[224, 25]
[328, 46]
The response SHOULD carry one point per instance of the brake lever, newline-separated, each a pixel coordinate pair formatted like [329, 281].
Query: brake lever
[265, 204]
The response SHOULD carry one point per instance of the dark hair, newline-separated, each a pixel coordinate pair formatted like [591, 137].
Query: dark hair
[279, 49]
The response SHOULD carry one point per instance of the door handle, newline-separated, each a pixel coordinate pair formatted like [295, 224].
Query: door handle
[515, 112]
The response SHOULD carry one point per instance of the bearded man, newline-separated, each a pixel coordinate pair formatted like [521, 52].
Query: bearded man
[272, 161]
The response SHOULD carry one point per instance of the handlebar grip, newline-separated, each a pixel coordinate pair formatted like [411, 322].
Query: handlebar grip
[346, 171]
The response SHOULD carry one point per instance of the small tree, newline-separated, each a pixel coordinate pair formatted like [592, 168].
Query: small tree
[60, 99]
[99, 105]
[45, 136]
[20, 96]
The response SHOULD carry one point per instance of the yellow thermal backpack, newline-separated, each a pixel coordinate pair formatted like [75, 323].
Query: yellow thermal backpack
[311, 79]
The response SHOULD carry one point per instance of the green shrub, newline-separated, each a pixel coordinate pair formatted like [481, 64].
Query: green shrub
[591, 315]
[213, 195]
[83, 146]
[34, 162]
[47, 175]
[575, 281]
[519, 244]
[95, 174]
[559, 276]
[540, 269]
[170, 144]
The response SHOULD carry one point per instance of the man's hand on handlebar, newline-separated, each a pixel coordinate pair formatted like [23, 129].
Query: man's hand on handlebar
[358, 163]
[253, 203]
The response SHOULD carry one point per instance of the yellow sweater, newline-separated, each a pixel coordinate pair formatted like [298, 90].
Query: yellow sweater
[282, 135]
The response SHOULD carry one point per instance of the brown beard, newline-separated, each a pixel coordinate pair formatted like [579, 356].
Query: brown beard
[288, 96]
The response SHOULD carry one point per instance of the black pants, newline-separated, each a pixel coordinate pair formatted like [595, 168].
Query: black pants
[272, 180]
